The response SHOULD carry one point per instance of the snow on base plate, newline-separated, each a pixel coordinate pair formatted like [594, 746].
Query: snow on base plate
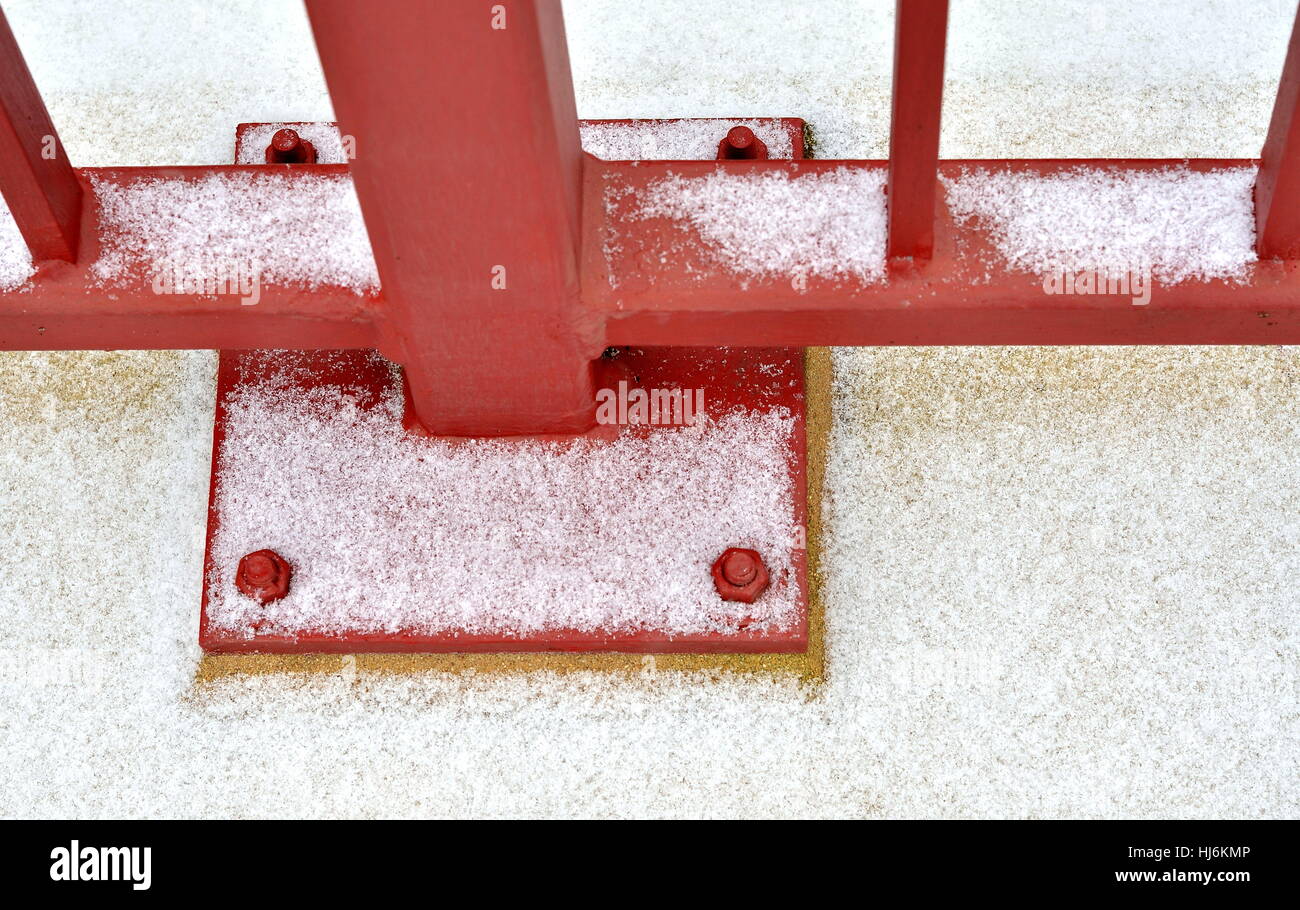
[292, 229]
[633, 140]
[677, 140]
[1182, 224]
[388, 532]
[324, 137]
[830, 224]
[15, 259]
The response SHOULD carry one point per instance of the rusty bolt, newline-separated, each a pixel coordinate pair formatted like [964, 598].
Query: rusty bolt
[264, 576]
[287, 147]
[740, 575]
[742, 143]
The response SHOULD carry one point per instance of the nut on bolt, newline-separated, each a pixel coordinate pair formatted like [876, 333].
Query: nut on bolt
[741, 143]
[264, 576]
[287, 147]
[740, 574]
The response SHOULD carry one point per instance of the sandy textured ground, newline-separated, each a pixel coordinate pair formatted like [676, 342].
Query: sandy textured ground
[1059, 581]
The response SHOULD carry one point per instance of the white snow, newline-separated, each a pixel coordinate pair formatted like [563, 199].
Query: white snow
[1110, 79]
[677, 140]
[827, 62]
[304, 230]
[15, 259]
[831, 224]
[1063, 580]
[1066, 79]
[1179, 223]
[1060, 581]
[388, 532]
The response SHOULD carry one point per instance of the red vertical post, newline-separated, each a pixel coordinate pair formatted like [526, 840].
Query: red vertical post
[36, 178]
[920, 34]
[1277, 187]
[468, 167]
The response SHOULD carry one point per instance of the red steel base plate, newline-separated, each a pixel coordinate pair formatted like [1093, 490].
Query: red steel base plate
[758, 380]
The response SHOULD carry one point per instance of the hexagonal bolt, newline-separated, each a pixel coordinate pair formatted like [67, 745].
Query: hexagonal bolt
[263, 575]
[741, 143]
[287, 147]
[740, 575]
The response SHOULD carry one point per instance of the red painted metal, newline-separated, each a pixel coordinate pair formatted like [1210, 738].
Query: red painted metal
[471, 197]
[920, 35]
[740, 574]
[36, 178]
[483, 213]
[754, 380]
[264, 575]
[1277, 188]
[67, 308]
[654, 281]
[287, 147]
[741, 144]
[697, 305]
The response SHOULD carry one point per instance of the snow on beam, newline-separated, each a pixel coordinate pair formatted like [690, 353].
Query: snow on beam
[205, 257]
[1025, 252]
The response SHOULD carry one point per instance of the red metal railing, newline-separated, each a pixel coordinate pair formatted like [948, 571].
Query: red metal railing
[469, 160]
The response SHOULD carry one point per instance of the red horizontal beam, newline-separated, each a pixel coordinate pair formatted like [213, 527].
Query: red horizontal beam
[655, 282]
[36, 178]
[64, 307]
[658, 303]
[1277, 188]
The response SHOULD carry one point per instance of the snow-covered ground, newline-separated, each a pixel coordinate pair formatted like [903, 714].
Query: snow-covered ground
[1061, 581]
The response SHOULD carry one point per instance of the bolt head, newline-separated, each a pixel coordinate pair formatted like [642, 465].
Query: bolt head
[259, 569]
[285, 140]
[264, 576]
[739, 568]
[740, 575]
[740, 137]
[740, 143]
[287, 147]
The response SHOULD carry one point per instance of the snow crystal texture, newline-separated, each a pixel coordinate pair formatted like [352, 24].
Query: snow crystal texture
[302, 230]
[1180, 223]
[832, 224]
